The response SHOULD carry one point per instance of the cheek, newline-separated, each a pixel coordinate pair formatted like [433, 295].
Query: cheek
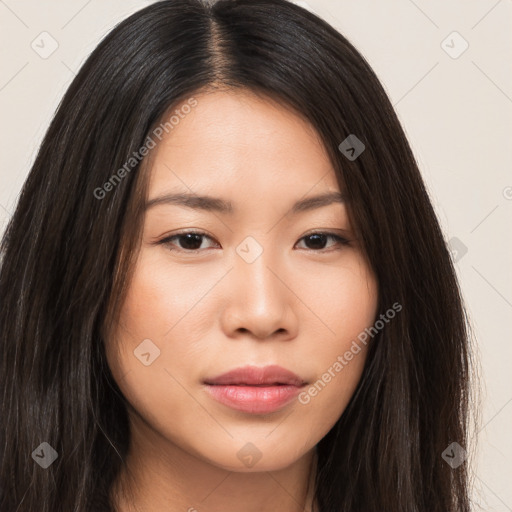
[164, 300]
[157, 347]
[346, 302]
[328, 395]
[151, 372]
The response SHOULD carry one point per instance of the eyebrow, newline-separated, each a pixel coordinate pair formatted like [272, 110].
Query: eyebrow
[215, 204]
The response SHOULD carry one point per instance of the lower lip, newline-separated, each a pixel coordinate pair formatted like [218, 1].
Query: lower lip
[254, 399]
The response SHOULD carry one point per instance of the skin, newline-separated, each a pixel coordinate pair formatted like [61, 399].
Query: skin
[300, 305]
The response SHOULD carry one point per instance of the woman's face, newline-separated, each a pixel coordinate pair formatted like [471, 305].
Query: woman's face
[256, 288]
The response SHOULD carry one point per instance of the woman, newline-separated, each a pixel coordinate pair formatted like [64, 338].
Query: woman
[224, 286]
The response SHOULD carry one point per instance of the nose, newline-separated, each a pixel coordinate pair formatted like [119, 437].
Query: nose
[259, 302]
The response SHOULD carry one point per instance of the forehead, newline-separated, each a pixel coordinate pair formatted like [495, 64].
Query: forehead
[238, 142]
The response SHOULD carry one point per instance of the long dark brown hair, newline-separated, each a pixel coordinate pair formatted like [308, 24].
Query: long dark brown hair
[67, 255]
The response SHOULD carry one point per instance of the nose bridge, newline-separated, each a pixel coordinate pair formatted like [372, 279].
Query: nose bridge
[260, 286]
[259, 302]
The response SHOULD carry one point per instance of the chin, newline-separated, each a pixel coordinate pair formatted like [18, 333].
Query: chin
[253, 457]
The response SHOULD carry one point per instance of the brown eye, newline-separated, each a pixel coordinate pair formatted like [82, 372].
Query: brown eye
[189, 241]
[318, 241]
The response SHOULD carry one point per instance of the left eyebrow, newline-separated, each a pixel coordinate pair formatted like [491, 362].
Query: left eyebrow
[209, 203]
[319, 201]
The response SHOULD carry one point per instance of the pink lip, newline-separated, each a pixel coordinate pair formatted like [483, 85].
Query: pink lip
[255, 390]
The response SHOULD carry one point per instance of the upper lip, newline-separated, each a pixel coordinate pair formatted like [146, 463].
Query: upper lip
[253, 376]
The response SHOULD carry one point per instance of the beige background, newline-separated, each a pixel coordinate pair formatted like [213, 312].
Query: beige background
[456, 110]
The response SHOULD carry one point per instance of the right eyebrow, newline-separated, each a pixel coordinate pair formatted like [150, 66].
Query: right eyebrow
[195, 201]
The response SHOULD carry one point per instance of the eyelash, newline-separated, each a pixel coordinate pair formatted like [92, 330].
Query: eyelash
[167, 241]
